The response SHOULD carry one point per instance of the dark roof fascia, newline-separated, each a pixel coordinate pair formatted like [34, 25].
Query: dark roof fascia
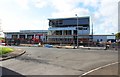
[67, 18]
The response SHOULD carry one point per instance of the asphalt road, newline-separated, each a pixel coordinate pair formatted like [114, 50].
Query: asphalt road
[53, 61]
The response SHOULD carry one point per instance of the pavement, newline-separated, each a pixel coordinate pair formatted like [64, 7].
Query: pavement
[108, 70]
[67, 47]
[15, 53]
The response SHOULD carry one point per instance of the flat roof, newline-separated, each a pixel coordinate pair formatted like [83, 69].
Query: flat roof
[67, 18]
[33, 30]
[102, 35]
[27, 31]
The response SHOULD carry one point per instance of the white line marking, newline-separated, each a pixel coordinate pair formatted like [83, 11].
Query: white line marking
[99, 68]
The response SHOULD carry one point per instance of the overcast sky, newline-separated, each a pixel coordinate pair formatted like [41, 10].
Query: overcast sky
[18, 15]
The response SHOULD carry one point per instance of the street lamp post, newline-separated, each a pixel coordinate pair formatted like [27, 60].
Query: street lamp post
[92, 34]
[77, 30]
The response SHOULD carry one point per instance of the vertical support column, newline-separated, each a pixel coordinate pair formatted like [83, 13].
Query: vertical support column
[34, 35]
[72, 32]
[62, 32]
[25, 36]
[18, 36]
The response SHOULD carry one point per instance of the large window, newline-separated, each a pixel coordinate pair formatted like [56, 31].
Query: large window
[55, 23]
[59, 32]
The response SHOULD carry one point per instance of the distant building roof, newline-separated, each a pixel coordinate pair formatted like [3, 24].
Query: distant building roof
[68, 18]
[27, 31]
[33, 30]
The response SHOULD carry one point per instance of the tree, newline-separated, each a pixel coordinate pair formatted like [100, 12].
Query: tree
[117, 35]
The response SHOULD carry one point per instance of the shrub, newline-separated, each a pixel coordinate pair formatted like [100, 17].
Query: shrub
[4, 50]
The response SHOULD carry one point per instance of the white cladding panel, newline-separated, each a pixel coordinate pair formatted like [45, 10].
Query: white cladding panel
[99, 38]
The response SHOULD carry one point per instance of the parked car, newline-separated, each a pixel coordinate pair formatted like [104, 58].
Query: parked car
[10, 42]
[3, 44]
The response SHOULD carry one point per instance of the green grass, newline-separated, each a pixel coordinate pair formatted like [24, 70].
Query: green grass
[4, 50]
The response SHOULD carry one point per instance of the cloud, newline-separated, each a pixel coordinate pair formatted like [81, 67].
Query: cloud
[109, 11]
[108, 7]
[62, 5]
[23, 3]
[40, 3]
[119, 17]
[92, 3]
[22, 14]
[71, 13]
[68, 8]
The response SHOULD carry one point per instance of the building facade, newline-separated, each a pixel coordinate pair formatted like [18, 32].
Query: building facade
[26, 36]
[104, 38]
[60, 31]
[67, 30]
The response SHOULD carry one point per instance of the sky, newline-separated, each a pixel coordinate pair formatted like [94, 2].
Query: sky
[16, 15]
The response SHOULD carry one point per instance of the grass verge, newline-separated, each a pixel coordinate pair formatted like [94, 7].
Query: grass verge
[4, 50]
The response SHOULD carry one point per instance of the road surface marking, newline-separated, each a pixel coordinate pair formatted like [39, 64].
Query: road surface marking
[99, 68]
